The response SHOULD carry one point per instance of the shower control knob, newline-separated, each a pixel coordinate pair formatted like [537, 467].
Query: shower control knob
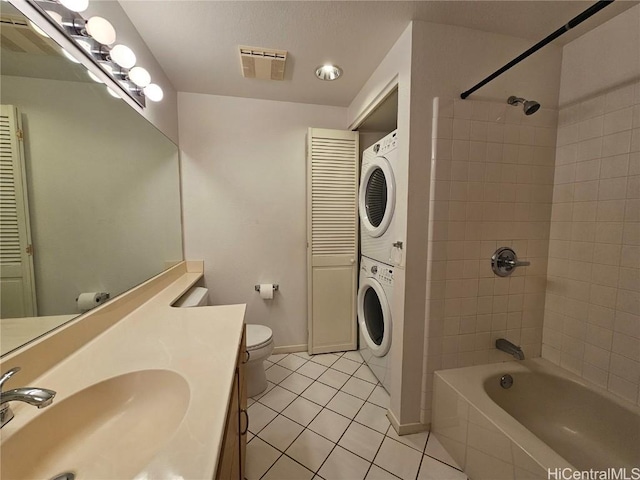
[504, 261]
[374, 269]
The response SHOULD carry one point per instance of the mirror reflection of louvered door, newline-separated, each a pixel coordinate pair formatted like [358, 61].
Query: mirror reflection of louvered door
[17, 288]
[332, 239]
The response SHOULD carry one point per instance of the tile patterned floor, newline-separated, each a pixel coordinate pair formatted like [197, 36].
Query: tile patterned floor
[324, 418]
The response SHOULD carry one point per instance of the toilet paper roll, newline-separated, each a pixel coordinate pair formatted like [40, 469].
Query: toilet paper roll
[88, 300]
[266, 291]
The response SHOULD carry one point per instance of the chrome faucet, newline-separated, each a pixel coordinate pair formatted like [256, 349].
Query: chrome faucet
[38, 397]
[508, 347]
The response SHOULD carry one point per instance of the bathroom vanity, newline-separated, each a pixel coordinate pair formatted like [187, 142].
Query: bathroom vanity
[144, 390]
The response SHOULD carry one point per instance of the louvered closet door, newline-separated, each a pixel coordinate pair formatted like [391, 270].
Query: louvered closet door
[332, 239]
[17, 290]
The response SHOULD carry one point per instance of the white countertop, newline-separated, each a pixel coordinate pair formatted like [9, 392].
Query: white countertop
[200, 344]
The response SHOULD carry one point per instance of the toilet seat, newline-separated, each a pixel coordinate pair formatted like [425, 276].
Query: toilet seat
[258, 336]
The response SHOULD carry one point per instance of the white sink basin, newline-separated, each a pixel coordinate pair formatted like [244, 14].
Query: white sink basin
[110, 430]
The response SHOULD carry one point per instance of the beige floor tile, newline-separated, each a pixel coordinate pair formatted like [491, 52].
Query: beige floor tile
[259, 416]
[310, 449]
[365, 373]
[260, 457]
[353, 355]
[380, 397]
[434, 470]
[275, 373]
[398, 459]
[417, 441]
[302, 411]
[345, 365]
[345, 404]
[296, 383]
[374, 417]
[436, 450]
[287, 469]
[292, 362]
[326, 359]
[319, 393]
[333, 378]
[329, 424]
[281, 432]
[376, 473]
[278, 398]
[342, 465]
[361, 440]
[312, 370]
[357, 387]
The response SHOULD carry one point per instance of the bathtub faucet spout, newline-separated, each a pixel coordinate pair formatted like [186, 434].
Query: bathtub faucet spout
[508, 347]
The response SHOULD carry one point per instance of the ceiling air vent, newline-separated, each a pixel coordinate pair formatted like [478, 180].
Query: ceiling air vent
[18, 36]
[263, 63]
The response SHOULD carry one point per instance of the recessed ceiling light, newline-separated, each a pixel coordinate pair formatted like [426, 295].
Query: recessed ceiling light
[328, 72]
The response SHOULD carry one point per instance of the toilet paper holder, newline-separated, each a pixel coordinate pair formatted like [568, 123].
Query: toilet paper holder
[276, 287]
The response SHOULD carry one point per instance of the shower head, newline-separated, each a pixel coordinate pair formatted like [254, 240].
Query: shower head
[529, 106]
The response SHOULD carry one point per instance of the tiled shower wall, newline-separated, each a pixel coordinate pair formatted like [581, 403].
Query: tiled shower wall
[492, 186]
[592, 309]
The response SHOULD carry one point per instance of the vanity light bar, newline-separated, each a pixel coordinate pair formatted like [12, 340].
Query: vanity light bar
[116, 61]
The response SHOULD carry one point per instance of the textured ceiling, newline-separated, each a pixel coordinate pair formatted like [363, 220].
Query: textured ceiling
[196, 42]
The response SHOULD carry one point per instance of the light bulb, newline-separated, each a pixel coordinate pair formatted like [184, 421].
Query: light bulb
[153, 92]
[75, 5]
[101, 30]
[38, 30]
[113, 93]
[123, 56]
[94, 77]
[139, 76]
[328, 72]
[55, 16]
[69, 56]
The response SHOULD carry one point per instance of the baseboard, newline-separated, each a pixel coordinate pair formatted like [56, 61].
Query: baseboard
[407, 428]
[290, 349]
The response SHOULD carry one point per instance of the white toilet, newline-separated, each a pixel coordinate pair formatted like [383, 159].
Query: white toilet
[259, 342]
[259, 347]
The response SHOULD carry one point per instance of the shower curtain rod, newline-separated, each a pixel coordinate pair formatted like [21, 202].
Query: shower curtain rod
[596, 7]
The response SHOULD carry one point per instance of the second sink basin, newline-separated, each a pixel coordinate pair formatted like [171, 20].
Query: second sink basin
[109, 430]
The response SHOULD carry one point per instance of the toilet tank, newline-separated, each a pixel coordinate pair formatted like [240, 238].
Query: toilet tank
[195, 297]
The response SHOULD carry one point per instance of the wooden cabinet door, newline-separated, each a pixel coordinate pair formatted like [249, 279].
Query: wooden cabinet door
[229, 462]
[244, 416]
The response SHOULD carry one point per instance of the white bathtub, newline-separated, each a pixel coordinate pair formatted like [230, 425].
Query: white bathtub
[548, 419]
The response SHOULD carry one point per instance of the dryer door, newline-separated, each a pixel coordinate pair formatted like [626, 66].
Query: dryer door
[374, 316]
[377, 196]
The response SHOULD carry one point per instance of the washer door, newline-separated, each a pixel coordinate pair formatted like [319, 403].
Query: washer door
[377, 196]
[374, 316]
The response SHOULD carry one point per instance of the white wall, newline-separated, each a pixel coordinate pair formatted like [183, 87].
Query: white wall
[592, 315]
[433, 60]
[446, 61]
[602, 58]
[103, 191]
[244, 194]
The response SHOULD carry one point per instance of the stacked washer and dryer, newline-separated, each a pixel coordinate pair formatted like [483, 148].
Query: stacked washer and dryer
[378, 237]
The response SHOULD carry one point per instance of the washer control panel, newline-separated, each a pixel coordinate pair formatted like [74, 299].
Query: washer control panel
[381, 272]
[385, 275]
[387, 144]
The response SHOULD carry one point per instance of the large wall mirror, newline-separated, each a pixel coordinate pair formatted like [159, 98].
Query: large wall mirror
[90, 198]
